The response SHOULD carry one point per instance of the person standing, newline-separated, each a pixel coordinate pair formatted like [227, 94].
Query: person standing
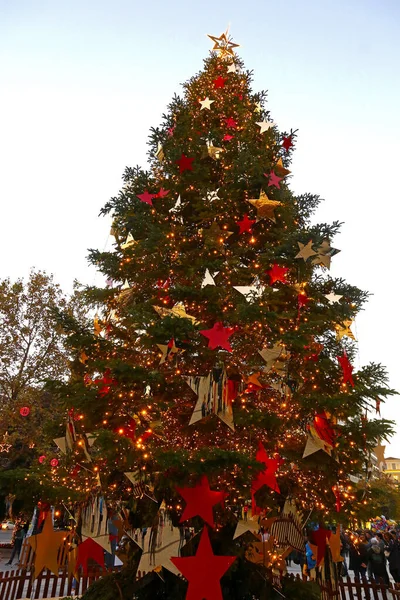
[377, 561]
[392, 552]
[18, 539]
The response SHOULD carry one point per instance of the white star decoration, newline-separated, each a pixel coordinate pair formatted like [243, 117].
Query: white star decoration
[251, 292]
[333, 298]
[265, 125]
[206, 103]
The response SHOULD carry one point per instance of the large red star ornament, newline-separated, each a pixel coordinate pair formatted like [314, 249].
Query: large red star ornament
[128, 430]
[277, 273]
[319, 538]
[105, 383]
[231, 123]
[273, 179]
[219, 82]
[245, 224]
[200, 501]
[185, 163]
[266, 477]
[287, 142]
[203, 571]
[347, 368]
[218, 336]
[89, 549]
[146, 197]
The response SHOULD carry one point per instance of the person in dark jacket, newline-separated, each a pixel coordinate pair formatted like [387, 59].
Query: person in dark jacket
[359, 557]
[392, 551]
[377, 561]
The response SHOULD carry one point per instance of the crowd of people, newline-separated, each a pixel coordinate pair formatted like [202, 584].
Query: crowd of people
[373, 555]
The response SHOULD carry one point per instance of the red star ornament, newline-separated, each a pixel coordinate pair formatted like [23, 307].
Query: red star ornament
[347, 368]
[323, 428]
[200, 501]
[319, 538]
[89, 549]
[273, 179]
[277, 273]
[128, 430]
[219, 82]
[146, 197]
[185, 163]
[245, 224]
[266, 477]
[287, 142]
[227, 137]
[231, 123]
[203, 571]
[218, 336]
[162, 193]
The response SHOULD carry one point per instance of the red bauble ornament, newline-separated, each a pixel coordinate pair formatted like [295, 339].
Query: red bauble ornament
[204, 570]
[54, 462]
[24, 411]
[200, 500]
[42, 458]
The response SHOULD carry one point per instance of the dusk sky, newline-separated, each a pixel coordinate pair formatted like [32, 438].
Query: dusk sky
[81, 83]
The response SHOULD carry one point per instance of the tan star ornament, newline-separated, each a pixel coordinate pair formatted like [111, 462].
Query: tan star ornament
[342, 330]
[305, 251]
[280, 169]
[265, 207]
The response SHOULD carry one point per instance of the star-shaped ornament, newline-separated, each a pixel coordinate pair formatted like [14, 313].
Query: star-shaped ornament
[278, 273]
[275, 357]
[219, 82]
[227, 137]
[214, 237]
[287, 142]
[231, 123]
[273, 179]
[146, 197]
[305, 251]
[212, 195]
[160, 152]
[4, 444]
[267, 476]
[162, 193]
[265, 207]
[333, 298]
[89, 550]
[46, 545]
[213, 151]
[281, 169]
[178, 310]
[344, 330]
[231, 68]
[254, 380]
[215, 394]
[347, 368]
[245, 225]
[185, 163]
[204, 570]
[265, 125]
[223, 45]
[324, 254]
[218, 336]
[129, 242]
[168, 351]
[200, 501]
[208, 278]
[206, 103]
[251, 292]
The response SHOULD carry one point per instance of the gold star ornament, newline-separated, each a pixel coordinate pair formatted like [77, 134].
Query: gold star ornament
[45, 545]
[178, 311]
[265, 207]
[223, 45]
[342, 330]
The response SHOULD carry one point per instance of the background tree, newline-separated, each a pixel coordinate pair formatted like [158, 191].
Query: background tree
[221, 290]
[32, 351]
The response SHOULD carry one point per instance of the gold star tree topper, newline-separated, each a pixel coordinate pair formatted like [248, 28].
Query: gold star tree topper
[223, 45]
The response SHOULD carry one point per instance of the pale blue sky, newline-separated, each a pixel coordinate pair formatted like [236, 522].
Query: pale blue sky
[81, 82]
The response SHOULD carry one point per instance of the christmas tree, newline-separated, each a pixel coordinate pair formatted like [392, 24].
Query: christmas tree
[218, 384]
